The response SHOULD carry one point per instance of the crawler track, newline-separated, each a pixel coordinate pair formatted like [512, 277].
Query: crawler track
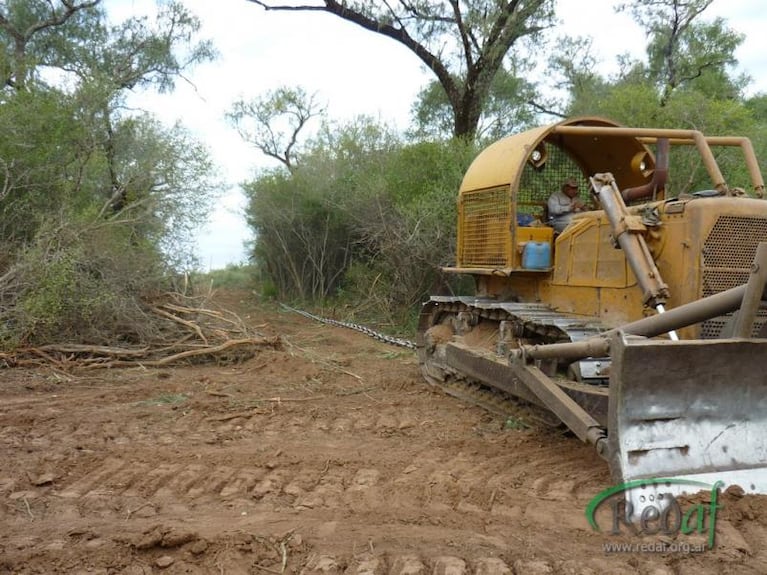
[463, 341]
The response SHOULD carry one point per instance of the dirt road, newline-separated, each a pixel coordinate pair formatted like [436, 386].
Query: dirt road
[330, 455]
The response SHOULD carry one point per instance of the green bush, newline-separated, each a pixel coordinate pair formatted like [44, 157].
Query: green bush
[82, 284]
[365, 219]
[233, 276]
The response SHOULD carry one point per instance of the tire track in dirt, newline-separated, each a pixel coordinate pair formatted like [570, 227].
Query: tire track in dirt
[289, 460]
[439, 477]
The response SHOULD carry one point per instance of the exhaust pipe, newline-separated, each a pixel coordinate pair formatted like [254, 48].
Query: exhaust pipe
[659, 177]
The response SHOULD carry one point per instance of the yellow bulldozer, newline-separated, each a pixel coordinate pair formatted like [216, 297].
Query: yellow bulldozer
[640, 325]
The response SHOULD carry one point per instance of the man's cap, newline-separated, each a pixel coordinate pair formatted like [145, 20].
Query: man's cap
[570, 183]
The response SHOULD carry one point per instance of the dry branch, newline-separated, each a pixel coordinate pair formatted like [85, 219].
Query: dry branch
[213, 350]
[191, 325]
[94, 350]
[189, 334]
[235, 415]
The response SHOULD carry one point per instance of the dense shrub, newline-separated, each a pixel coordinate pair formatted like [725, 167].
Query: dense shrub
[364, 217]
[80, 283]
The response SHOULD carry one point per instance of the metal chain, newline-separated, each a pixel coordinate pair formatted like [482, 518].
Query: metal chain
[391, 340]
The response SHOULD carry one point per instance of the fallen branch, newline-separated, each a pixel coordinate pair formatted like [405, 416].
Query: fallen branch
[287, 399]
[219, 394]
[315, 359]
[191, 325]
[93, 350]
[29, 510]
[273, 342]
[235, 415]
[99, 357]
[219, 315]
[174, 333]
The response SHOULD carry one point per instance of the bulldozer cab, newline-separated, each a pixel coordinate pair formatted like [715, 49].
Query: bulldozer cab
[504, 195]
[506, 241]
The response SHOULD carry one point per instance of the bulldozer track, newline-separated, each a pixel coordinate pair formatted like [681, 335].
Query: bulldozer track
[493, 328]
[536, 317]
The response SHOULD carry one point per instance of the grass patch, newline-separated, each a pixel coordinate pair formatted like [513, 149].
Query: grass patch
[396, 354]
[165, 399]
[515, 424]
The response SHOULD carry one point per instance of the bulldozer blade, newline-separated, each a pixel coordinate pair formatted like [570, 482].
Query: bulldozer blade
[692, 411]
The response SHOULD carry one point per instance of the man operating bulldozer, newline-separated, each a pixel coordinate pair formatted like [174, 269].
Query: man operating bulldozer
[563, 204]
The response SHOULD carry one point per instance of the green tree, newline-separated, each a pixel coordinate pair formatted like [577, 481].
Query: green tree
[139, 53]
[574, 78]
[687, 80]
[362, 216]
[143, 52]
[98, 201]
[464, 43]
[507, 108]
[685, 51]
[273, 122]
[29, 28]
[304, 235]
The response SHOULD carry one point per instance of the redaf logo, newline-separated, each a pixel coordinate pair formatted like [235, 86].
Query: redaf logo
[660, 512]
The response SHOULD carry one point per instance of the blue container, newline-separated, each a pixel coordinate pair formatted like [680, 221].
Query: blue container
[536, 256]
[524, 220]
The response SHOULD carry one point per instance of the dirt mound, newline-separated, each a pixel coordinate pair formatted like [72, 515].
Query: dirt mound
[330, 455]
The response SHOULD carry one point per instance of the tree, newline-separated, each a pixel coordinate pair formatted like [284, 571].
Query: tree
[139, 53]
[362, 216]
[463, 42]
[97, 201]
[273, 122]
[100, 62]
[25, 22]
[304, 234]
[168, 182]
[682, 50]
[685, 81]
[507, 108]
[572, 77]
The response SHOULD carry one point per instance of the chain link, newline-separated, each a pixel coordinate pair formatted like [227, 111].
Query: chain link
[391, 340]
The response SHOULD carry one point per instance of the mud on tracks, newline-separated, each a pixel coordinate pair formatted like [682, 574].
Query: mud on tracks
[328, 456]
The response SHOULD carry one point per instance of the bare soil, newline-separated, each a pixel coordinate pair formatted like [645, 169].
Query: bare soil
[330, 455]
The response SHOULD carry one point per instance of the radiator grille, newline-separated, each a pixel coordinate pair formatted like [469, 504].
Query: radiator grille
[728, 253]
[485, 228]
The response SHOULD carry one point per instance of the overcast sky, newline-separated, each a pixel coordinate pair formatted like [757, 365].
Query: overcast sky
[354, 72]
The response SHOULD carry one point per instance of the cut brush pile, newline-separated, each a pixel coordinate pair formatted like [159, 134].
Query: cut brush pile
[184, 331]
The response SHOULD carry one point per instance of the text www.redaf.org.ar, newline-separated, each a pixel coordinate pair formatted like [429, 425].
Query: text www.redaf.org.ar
[654, 547]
